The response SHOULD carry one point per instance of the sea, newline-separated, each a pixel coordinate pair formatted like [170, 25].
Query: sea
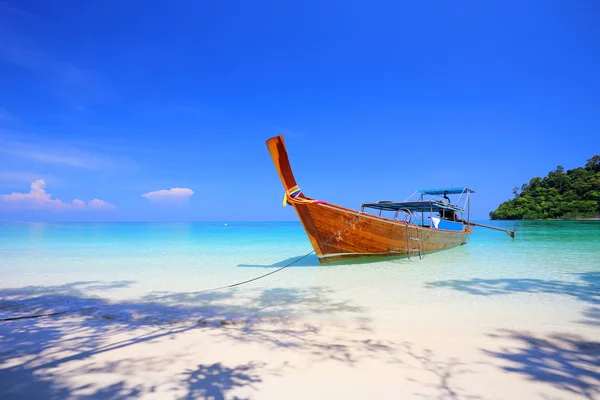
[547, 277]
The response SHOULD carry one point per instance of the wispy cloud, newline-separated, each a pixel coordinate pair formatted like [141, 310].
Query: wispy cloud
[173, 194]
[30, 148]
[52, 156]
[39, 199]
[5, 116]
[18, 176]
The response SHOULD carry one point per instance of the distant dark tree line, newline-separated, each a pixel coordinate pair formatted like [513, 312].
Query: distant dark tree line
[560, 195]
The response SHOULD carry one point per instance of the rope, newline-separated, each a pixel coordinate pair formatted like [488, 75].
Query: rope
[342, 229]
[33, 316]
[411, 195]
[169, 295]
[292, 196]
[339, 232]
[236, 284]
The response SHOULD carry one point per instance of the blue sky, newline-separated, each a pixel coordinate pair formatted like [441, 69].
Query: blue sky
[111, 100]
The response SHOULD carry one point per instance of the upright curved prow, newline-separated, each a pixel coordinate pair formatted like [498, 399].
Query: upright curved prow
[279, 155]
[280, 158]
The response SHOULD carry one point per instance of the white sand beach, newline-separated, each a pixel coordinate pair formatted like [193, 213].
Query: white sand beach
[300, 343]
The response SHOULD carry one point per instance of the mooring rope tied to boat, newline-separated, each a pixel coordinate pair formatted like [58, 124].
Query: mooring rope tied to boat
[33, 316]
[339, 232]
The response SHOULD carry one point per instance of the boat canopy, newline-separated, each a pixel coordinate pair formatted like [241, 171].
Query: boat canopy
[413, 206]
[440, 191]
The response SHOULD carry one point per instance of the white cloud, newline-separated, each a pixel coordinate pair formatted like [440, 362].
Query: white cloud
[170, 194]
[98, 204]
[39, 199]
[79, 204]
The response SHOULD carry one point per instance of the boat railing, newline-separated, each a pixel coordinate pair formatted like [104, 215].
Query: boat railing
[408, 215]
[413, 213]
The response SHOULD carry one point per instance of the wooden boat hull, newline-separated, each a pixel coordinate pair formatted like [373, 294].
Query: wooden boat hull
[337, 233]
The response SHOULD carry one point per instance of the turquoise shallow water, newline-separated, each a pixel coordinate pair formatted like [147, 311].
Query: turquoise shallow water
[551, 271]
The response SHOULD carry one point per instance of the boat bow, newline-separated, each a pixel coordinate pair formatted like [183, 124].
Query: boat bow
[338, 233]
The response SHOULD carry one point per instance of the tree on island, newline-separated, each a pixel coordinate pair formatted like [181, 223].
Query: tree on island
[571, 195]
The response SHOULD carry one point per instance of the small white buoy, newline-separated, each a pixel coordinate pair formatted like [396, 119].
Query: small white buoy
[225, 224]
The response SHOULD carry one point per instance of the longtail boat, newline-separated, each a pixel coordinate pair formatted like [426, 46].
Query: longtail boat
[340, 234]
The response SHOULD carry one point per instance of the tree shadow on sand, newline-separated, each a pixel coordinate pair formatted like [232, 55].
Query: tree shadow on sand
[216, 380]
[33, 350]
[585, 289]
[591, 317]
[443, 371]
[567, 362]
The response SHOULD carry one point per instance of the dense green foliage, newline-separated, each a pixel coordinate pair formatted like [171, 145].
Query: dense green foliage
[560, 195]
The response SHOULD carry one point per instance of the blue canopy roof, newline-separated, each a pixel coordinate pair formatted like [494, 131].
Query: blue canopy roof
[454, 190]
[418, 206]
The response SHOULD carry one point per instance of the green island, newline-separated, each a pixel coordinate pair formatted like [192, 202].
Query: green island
[574, 194]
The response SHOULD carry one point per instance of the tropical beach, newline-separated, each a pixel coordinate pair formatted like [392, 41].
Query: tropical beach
[299, 200]
[494, 319]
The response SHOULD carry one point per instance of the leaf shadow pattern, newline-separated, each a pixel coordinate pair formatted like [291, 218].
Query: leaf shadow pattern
[33, 299]
[31, 351]
[216, 380]
[444, 373]
[591, 317]
[567, 362]
[585, 289]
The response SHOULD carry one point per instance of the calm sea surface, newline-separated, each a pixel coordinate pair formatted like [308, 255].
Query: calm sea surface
[550, 272]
